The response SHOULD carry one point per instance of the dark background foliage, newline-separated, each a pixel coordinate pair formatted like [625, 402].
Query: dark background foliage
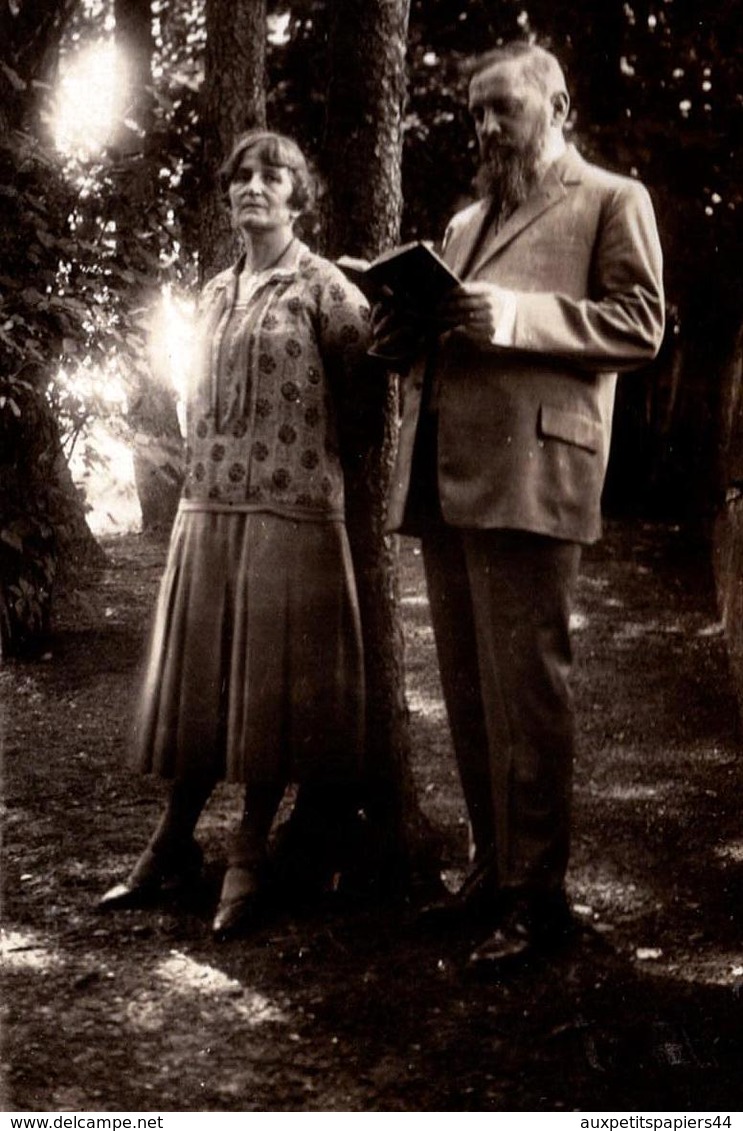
[87, 243]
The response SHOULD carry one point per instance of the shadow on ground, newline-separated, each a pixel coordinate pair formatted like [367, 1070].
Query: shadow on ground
[352, 1008]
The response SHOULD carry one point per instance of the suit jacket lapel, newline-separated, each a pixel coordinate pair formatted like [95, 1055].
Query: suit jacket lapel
[551, 189]
[462, 249]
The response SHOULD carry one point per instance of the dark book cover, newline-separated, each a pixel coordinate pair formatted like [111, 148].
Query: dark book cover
[413, 274]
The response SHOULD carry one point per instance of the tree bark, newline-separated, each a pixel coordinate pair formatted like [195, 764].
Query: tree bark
[234, 100]
[135, 41]
[156, 438]
[363, 152]
[363, 142]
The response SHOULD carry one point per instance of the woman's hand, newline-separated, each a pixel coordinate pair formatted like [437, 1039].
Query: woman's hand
[397, 333]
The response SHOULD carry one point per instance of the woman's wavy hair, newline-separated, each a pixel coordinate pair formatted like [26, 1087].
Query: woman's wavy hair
[273, 149]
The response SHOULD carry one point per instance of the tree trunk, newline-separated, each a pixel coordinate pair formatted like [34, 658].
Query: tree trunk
[363, 150]
[135, 41]
[158, 451]
[727, 540]
[153, 418]
[234, 100]
[363, 143]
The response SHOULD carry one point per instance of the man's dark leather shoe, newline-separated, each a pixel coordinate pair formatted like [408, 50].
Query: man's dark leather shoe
[535, 926]
[477, 902]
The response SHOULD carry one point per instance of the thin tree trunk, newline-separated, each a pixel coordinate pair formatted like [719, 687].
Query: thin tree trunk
[363, 150]
[135, 40]
[234, 100]
[156, 438]
[363, 144]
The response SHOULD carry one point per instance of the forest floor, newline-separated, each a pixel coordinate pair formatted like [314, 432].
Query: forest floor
[353, 1008]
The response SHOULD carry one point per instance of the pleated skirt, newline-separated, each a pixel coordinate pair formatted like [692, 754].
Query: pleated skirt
[254, 671]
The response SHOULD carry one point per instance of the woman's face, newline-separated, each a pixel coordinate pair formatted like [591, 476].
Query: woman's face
[259, 196]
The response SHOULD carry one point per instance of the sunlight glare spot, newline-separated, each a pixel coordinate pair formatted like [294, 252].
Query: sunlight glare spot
[278, 28]
[89, 98]
[108, 481]
[171, 341]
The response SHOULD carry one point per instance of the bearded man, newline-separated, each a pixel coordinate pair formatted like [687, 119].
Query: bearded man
[502, 456]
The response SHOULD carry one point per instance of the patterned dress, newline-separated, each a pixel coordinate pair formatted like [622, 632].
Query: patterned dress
[254, 670]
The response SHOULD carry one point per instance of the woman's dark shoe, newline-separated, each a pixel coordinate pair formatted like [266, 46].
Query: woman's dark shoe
[157, 874]
[241, 902]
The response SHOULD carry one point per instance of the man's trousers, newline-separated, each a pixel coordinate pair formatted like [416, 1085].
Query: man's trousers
[500, 605]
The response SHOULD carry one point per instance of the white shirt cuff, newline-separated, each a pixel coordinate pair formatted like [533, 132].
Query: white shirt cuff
[504, 331]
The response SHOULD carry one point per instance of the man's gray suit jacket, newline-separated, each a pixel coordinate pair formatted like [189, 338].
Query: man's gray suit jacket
[524, 430]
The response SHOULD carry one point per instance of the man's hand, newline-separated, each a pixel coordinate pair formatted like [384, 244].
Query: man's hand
[478, 311]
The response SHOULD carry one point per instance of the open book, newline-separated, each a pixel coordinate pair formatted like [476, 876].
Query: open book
[413, 275]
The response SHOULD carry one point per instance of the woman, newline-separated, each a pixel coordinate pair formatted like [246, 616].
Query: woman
[255, 670]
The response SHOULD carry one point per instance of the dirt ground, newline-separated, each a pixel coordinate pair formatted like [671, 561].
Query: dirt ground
[353, 1008]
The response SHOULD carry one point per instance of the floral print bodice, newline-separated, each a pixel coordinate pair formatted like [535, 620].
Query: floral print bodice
[270, 369]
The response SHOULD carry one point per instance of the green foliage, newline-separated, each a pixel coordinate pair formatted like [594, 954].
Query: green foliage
[44, 313]
[28, 563]
[86, 243]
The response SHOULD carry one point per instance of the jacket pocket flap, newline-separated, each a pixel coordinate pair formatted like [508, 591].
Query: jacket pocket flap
[571, 427]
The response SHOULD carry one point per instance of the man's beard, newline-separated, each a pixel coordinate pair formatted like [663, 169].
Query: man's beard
[507, 174]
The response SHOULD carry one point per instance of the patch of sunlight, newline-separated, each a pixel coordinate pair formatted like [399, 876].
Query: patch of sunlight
[19, 951]
[103, 467]
[634, 792]
[716, 628]
[452, 879]
[716, 756]
[415, 600]
[633, 631]
[605, 897]
[648, 953]
[718, 968]
[594, 582]
[430, 706]
[215, 993]
[732, 851]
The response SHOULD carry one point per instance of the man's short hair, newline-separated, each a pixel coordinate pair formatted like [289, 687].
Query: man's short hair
[537, 65]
